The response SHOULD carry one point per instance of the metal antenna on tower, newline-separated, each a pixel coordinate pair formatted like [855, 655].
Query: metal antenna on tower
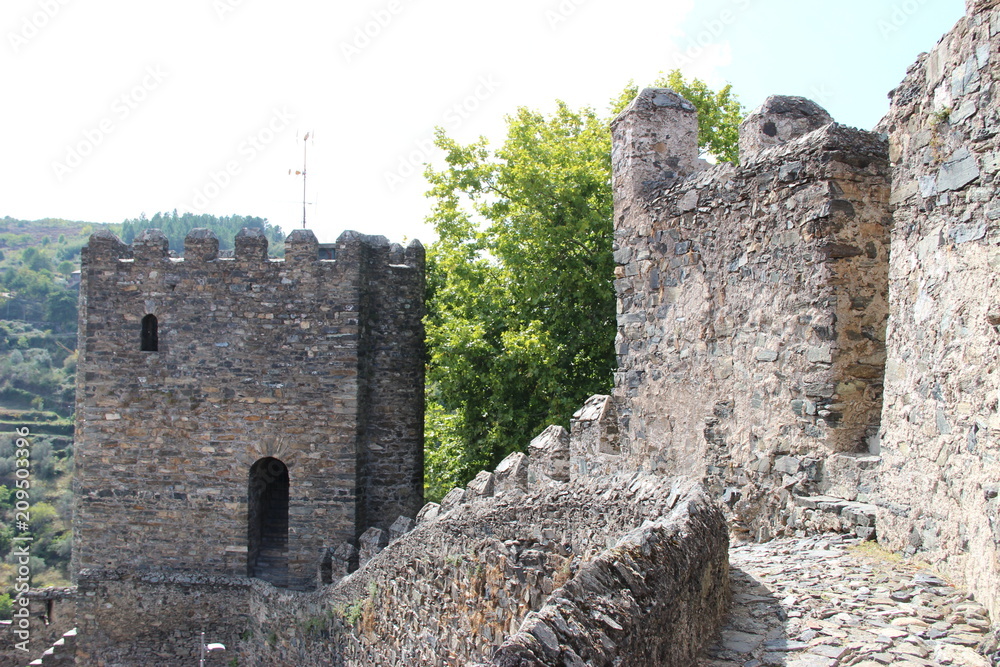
[305, 154]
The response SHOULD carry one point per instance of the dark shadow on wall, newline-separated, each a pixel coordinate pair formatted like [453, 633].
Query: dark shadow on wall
[267, 522]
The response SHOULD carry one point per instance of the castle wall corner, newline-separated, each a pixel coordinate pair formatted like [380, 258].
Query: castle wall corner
[752, 311]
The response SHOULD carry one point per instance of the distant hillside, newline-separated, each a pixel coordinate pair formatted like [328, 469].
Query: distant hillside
[38, 297]
[37, 261]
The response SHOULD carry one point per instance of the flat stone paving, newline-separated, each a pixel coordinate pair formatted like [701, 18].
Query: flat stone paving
[833, 600]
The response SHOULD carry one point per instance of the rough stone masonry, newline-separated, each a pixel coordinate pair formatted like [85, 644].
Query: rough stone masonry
[939, 483]
[821, 319]
[242, 416]
[751, 300]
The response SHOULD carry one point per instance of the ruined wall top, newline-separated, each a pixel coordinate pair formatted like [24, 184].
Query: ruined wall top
[974, 6]
[751, 304]
[655, 141]
[777, 121]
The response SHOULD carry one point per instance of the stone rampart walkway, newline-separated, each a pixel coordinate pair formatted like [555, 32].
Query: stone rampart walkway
[829, 600]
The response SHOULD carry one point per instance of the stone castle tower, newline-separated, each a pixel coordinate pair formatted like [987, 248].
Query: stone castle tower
[808, 339]
[242, 416]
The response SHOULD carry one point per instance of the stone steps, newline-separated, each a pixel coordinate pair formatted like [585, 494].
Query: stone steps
[62, 653]
[859, 517]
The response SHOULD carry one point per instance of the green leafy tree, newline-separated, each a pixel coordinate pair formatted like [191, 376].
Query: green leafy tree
[60, 307]
[521, 305]
[521, 314]
[719, 114]
[35, 259]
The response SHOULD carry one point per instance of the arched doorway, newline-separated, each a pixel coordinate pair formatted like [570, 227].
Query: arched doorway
[267, 521]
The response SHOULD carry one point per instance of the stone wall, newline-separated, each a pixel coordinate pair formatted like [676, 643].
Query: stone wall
[940, 479]
[467, 579]
[392, 399]
[318, 364]
[650, 600]
[127, 617]
[751, 300]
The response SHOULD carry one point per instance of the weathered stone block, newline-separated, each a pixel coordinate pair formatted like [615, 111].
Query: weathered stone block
[850, 476]
[548, 454]
[482, 485]
[779, 120]
[788, 465]
[371, 542]
[452, 499]
[201, 245]
[150, 245]
[428, 512]
[594, 443]
[512, 473]
[401, 526]
[301, 246]
[251, 244]
[958, 170]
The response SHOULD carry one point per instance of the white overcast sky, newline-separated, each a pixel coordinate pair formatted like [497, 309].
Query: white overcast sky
[112, 108]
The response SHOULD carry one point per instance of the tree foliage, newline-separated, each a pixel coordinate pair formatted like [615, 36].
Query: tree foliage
[719, 114]
[521, 305]
[521, 311]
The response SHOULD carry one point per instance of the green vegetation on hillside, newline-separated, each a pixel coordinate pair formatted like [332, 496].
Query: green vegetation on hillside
[521, 303]
[37, 388]
[226, 228]
[37, 260]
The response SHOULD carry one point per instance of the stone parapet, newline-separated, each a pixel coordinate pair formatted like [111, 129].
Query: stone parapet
[652, 599]
[752, 311]
[476, 578]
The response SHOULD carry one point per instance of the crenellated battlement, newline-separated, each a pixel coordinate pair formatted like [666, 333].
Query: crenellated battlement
[201, 246]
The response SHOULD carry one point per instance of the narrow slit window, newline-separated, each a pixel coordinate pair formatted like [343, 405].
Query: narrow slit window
[150, 338]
